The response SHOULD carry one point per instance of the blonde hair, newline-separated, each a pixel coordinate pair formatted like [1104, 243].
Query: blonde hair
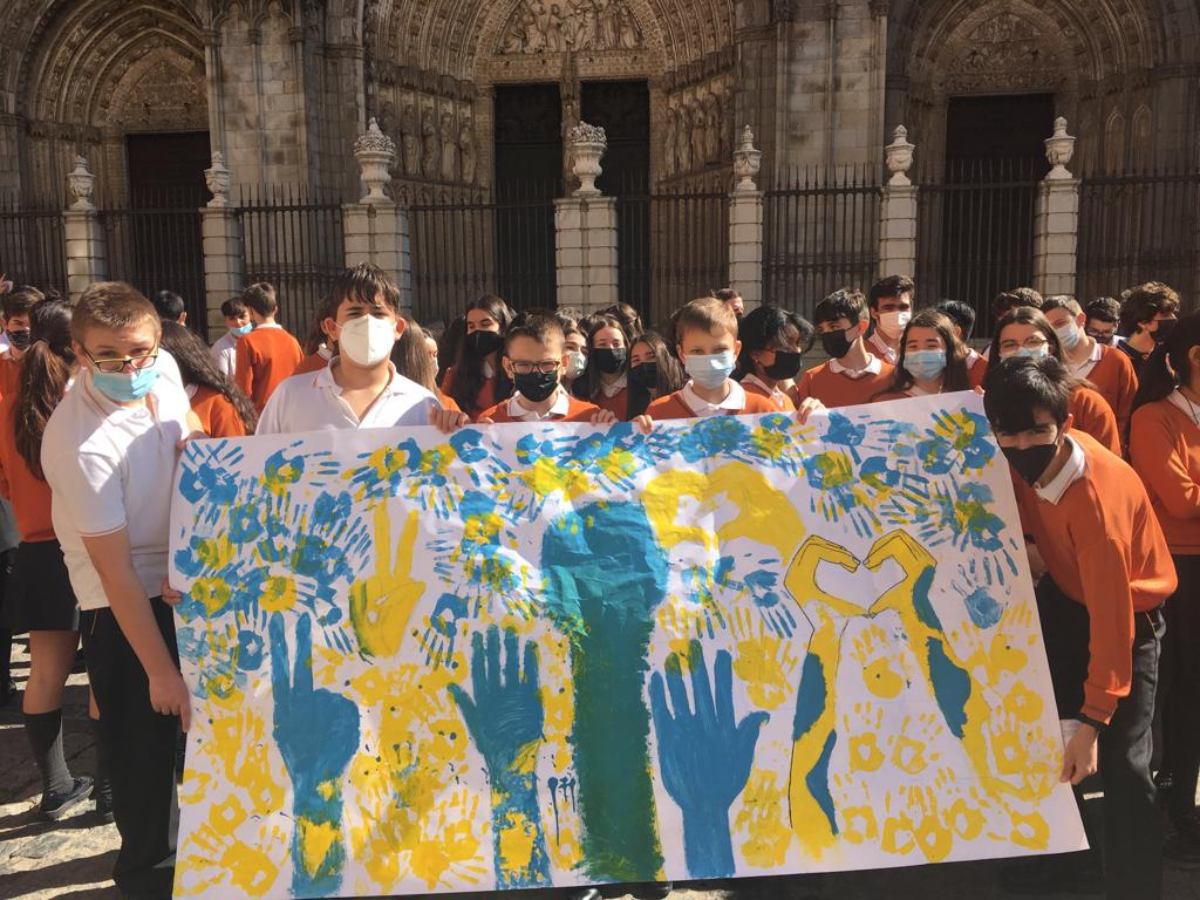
[707, 314]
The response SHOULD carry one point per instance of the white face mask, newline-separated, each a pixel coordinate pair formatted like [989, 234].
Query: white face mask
[892, 323]
[367, 340]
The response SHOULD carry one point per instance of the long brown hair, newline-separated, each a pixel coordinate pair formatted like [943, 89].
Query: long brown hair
[45, 372]
[468, 366]
[955, 376]
[1028, 315]
[587, 385]
[410, 356]
[197, 367]
[670, 373]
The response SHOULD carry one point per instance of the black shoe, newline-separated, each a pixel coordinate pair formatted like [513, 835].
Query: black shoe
[1051, 875]
[657, 891]
[104, 805]
[1164, 780]
[57, 804]
[1182, 850]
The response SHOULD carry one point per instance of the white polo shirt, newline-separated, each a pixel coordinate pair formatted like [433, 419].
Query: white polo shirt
[111, 467]
[559, 408]
[886, 352]
[313, 402]
[701, 408]
[224, 354]
[1084, 369]
[873, 367]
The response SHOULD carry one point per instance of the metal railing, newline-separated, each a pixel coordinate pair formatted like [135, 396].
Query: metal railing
[820, 232]
[293, 239]
[975, 232]
[32, 247]
[1136, 227]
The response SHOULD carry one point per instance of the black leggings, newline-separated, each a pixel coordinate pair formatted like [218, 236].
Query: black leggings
[1179, 687]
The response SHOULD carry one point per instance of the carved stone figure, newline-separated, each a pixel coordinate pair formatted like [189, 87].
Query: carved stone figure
[683, 139]
[449, 148]
[430, 144]
[669, 156]
[410, 140]
[466, 149]
[712, 129]
[696, 132]
[563, 25]
[629, 36]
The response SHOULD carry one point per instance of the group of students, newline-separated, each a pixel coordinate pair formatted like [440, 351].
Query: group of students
[97, 398]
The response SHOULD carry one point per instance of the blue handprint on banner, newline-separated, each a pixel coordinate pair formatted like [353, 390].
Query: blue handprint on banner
[704, 754]
[503, 715]
[315, 764]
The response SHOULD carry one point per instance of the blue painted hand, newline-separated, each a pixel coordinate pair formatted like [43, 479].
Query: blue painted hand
[503, 715]
[314, 765]
[704, 754]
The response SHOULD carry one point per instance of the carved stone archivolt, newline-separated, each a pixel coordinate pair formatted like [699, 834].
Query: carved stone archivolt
[1004, 52]
[545, 26]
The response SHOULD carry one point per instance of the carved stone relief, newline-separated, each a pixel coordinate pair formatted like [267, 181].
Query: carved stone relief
[1006, 51]
[698, 126]
[538, 26]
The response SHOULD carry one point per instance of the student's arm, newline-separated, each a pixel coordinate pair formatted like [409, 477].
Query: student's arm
[1104, 567]
[113, 560]
[1153, 453]
[1094, 416]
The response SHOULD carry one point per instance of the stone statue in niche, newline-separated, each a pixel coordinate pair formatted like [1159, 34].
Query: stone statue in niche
[696, 130]
[683, 139]
[466, 149]
[410, 140]
[449, 148]
[724, 144]
[570, 118]
[430, 144]
[566, 25]
[712, 129]
[672, 124]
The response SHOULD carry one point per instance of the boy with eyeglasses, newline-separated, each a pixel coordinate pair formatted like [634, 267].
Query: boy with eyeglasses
[109, 453]
[1102, 316]
[852, 375]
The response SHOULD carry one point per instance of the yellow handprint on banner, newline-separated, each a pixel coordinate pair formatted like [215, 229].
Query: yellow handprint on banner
[381, 604]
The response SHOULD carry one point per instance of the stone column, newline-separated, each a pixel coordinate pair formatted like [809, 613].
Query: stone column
[585, 229]
[224, 268]
[898, 211]
[87, 253]
[1056, 222]
[375, 229]
[746, 224]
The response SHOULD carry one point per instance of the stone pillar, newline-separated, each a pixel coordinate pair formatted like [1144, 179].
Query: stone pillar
[898, 211]
[746, 224]
[585, 252]
[87, 254]
[375, 229]
[1056, 222]
[220, 228]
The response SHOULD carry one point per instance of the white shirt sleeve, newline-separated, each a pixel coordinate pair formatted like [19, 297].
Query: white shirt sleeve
[272, 419]
[88, 488]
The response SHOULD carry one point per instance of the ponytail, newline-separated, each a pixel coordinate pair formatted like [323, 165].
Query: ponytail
[45, 372]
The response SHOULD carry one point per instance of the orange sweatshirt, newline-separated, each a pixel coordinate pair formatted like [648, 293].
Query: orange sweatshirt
[780, 402]
[1095, 417]
[28, 494]
[1103, 546]
[577, 411]
[485, 398]
[673, 406]
[835, 389]
[10, 375]
[265, 357]
[977, 371]
[218, 416]
[617, 404]
[1117, 383]
[1164, 448]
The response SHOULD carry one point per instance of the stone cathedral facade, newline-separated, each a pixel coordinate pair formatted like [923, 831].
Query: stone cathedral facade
[477, 91]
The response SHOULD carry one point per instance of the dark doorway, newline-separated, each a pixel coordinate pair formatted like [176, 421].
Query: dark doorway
[994, 160]
[167, 170]
[529, 164]
[622, 108]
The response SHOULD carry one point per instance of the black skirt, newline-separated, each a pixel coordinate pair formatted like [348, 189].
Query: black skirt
[38, 594]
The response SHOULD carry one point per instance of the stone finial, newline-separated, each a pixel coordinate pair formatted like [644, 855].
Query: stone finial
[899, 157]
[218, 180]
[588, 144]
[82, 182]
[1060, 147]
[376, 154]
[747, 161]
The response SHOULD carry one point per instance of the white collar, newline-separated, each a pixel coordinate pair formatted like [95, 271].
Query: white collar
[772, 391]
[558, 409]
[397, 384]
[888, 353]
[1075, 466]
[325, 353]
[611, 390]
[1085, 366]
[190, 390]
[972, 356]
[735, 402]
[1181, 403]
[267, 325]
[873, 367]
[917, 391]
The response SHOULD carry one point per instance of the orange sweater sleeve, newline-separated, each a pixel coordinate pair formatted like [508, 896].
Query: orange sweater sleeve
[1094, 416]
[225, 421]
[1154, 452]
[1104, 567]
[803, 389]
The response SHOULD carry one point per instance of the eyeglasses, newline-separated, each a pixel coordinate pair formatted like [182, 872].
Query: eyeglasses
[1033, 342]
[1104, 337]
[135, 363]
[524, 367]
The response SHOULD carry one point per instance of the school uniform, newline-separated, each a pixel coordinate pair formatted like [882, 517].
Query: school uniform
[837, 385]
[111, 468]
[265, 357]
[314, 361]
[878, 347]
[614, 397]
[1136, 357]
[486, 397]
[1112, 375]
[1164, 449]
[1093, 416]
[687, 404]
[1109, 571]
[313, 402]
[10, 373]
[218, 416]
[752, 384]
[565, 408]
[447, 401]
[224, 354]
[977, 366]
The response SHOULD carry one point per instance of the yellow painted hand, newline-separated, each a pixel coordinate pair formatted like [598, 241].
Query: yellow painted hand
[381, 604]
[801, 578]
[914, 560]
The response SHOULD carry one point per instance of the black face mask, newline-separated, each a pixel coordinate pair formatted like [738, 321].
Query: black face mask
[644, 376]
[1165, 327]
[835, 343]
[609, 361]
[484, 342]
[536, 386]
[19, 339]
[1032, 462]
[786, 365]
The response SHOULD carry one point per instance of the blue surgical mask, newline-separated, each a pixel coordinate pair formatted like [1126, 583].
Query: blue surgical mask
[1069, 335]
[710, 371]
[125, 387]
[925, 365]
[242, 329]
[1038, 352]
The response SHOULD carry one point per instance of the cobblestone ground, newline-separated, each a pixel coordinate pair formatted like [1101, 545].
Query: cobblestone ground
[73, 858]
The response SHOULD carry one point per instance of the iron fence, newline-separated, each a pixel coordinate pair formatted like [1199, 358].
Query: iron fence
[820, 232]
[975, 232]
[32, 248]
[293, 239]
[672, 248]
[1136, 227]
[468, 244]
